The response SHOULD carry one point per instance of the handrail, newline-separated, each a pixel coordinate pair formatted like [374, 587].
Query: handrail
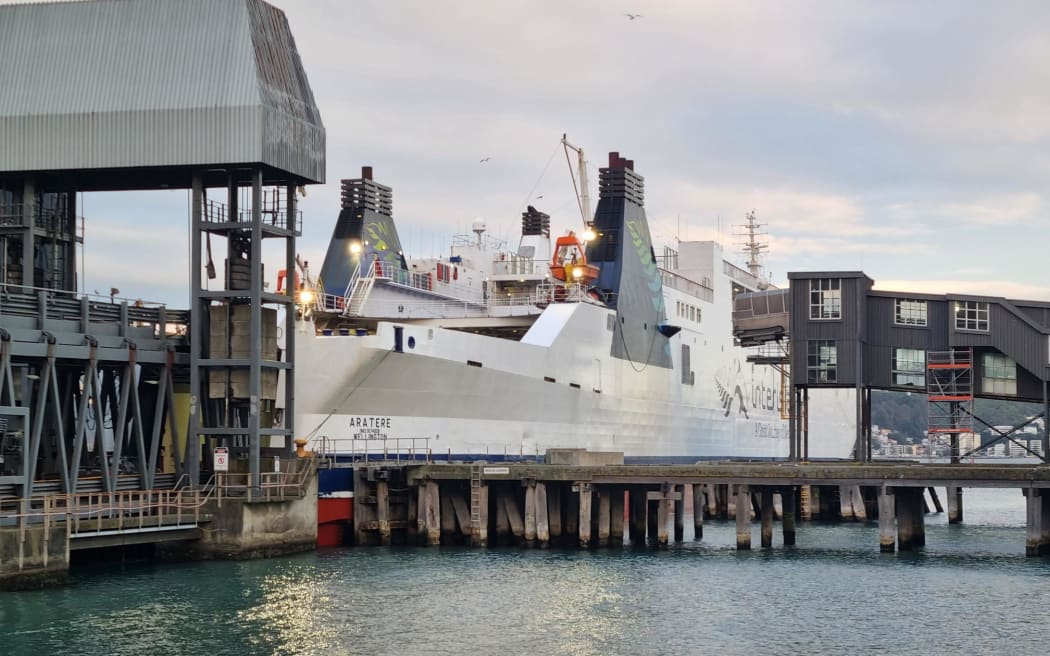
[368, 450]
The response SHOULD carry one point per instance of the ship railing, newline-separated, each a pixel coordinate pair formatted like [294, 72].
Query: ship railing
[379, 449]
[688, 286]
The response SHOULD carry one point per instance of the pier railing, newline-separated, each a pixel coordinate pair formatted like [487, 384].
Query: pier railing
[290, 483]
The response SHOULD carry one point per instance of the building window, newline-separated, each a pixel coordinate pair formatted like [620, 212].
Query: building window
[909, 367]
[909, 312]
[822, 361]
[825, 298]
[971, 315]
[687, 367]
[999, 374]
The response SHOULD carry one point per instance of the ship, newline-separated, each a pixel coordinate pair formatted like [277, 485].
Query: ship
[587, 340]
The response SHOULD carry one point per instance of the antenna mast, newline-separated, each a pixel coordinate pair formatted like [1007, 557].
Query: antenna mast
[583, 194]
[753, 248]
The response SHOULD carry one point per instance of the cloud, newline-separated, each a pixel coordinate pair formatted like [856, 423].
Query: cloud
[986, 287]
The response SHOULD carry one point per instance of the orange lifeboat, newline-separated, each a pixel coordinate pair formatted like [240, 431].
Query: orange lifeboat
[569, 263]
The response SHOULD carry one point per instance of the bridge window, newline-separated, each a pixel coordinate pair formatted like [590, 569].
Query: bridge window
[909, 367]
[971, 315]
[909, 312]
[822, 361]
[825, 298]
[999, 374]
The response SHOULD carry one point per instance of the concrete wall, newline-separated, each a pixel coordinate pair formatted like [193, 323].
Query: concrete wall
[261, 529]
[23, 566]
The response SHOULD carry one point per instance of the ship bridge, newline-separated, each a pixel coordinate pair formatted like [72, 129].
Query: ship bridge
[953, 348]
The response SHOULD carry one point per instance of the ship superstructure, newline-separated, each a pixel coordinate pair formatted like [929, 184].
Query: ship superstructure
[496, 352]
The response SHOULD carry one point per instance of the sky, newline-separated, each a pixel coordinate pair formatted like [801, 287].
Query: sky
[906, 140]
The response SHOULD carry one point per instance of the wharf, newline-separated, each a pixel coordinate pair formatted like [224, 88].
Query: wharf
[591, 500]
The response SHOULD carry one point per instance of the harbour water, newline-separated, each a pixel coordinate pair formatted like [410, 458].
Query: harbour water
[970, 591]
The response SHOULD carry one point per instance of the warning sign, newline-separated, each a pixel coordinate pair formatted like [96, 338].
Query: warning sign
[221, 459]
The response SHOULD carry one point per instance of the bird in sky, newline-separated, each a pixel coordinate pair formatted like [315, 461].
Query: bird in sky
[485, 159]
[633, 16]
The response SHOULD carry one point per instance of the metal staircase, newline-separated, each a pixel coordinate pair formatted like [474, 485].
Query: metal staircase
[949, 394]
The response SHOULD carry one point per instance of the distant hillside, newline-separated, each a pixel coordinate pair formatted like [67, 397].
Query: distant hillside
[905, 414]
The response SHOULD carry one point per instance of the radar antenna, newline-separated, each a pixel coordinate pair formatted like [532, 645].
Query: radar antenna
[753, 248]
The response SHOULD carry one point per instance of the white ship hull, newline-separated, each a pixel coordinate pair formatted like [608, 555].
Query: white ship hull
[519, 399]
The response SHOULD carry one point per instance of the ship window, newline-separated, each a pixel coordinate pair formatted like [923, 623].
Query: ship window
[687, 377]
[909, 367]
[999, 374]
[825, 298]
[971, 315]
[822, 361]
[909, 312]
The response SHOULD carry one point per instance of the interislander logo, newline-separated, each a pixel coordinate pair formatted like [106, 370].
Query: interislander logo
[728, 380]
[734, 388]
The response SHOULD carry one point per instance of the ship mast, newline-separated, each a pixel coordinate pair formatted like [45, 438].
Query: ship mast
[753, 247]
[583, 194]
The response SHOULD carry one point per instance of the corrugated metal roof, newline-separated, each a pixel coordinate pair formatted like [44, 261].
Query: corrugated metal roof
[129, 83]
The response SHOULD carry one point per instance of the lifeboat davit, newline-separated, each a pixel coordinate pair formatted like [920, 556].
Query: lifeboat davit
[569, 263]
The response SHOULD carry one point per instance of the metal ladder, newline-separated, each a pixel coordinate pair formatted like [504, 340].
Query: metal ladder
[475, 501]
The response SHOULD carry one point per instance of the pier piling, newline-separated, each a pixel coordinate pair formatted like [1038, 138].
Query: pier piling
[530, 514]
[1037, 536]
[584, 517]
[448, 515]
[543, 530]
[787, 496]
[743, 518]
[638, 516]
[433, 513]
[554, 497]
[616, 520]
[383, 511]
[604, 516]
[887, 521]
[767, 517]
[698, 511]
[955, 505]
[679, 513]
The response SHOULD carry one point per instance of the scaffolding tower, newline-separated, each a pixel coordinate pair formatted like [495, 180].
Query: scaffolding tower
[949, 395]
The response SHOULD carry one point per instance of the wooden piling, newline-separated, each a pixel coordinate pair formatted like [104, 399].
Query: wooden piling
[788, 498]
[767, 517]
[664, 506]
[955, 505]
[433, 513]
[616, 517]
[911, 516]
[543, 530]
[448, 515]
[604, 515]
[571, 509]
[584, 519]
[652, 518]
[517, 523]
[679, 514]
[846, 503]
[860, 512]
[743, 518]
[383, 511]
[887, 520]
[503, 533]
[411, 518]
[462, 510]
[638, 514]
[778, 506]
[1037, 534]
[712, 501]
[530, 514]
[554, 510]
[936, 500]
[698, 511]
